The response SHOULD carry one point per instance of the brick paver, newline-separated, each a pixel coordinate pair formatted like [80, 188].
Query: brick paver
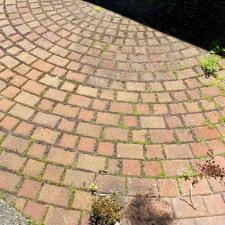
[90, 96]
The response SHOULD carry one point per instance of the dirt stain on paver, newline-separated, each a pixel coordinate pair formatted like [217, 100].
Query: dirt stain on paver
[148, 211]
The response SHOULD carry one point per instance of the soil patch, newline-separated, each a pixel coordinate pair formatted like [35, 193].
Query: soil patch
[149, 211]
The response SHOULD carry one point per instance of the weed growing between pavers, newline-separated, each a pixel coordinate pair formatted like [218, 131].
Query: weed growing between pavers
[105, 210]
[209, 124]
[211, 64]
[93, 188]
[222, 120]
[145, 210]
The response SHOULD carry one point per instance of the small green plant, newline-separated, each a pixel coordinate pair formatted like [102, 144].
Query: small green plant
[31, 222]
[121, 125]
[93, 188]
[222, 120]
[1, 195]
[1, 139]
[117, 76]
[105, 210]
[98, 8]
[209, 124]
[215, 48]
[210, 65]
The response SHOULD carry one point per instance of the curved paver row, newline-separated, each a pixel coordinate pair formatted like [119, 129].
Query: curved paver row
[92, 96]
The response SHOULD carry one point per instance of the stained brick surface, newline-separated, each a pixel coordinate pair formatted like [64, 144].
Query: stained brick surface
[95, 97]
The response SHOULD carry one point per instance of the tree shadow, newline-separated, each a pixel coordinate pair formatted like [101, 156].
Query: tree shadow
[199, 27]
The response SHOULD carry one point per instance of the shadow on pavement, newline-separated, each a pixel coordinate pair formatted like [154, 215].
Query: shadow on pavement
[199, 27]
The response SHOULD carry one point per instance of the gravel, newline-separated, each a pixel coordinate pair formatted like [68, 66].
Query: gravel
[9, 216]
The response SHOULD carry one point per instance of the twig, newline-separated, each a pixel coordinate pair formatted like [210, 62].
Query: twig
[191, 200]
[190, 195]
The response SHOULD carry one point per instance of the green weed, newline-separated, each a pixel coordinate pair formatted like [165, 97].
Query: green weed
[216, 48]
[209, 124]
[98, 8]
[93, 188]
[210, 65]
[222, 120]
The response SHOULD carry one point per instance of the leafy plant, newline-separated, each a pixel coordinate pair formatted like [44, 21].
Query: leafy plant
[217, 49]
[93, 188]
[105, 210]
[210, 65]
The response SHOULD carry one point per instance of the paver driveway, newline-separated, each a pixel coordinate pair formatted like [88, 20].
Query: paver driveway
[85, 91]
